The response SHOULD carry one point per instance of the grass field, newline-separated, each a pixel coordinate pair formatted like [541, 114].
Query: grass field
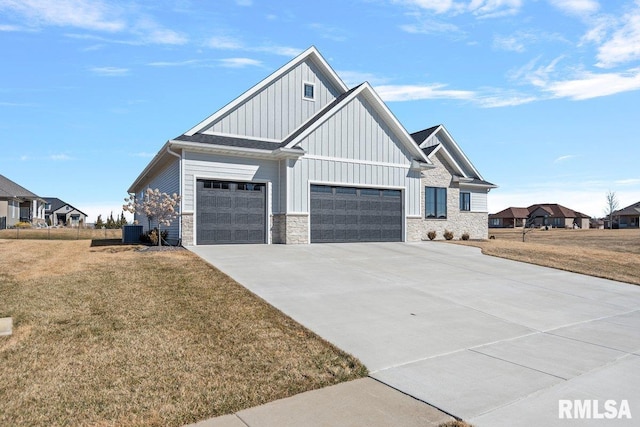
[611, 254]
[60, 233]
[107, 335]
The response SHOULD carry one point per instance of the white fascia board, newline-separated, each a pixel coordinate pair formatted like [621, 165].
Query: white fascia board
[477, 185]
[380, 107]
[311, 53]
[457, 148]
[278, 153]
[150, 166]
[450, 159]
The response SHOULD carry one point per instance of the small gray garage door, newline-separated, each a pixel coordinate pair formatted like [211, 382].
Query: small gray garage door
[230, 212]
[349, 214]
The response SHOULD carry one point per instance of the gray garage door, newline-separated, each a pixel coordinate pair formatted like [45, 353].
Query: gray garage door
[230, 212]
[349, 214]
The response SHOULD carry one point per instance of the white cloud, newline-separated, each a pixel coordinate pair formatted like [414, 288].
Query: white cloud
[480, 8]
[509, 43]
[353, 78]
[564, 158]
[10, 28]
[576, 7]
[494, 8]
[152, 33]
[174, 63]
[110, 71]
[240, 62]
[224, 42]
[87, 14]
[431, 26]
[629, 181]
[60, 157]
[278, 50]
[418, 92]
[624, 44]
[590, 85]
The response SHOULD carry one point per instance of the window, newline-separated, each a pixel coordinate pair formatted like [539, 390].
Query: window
[465, 201]
[436, 202]
[345, 190]
[558, 222]
[308, 91]
[495, 222]
[47, 206]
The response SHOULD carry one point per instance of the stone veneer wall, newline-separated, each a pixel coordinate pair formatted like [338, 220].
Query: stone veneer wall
[187, 229]
[290, 229]
[458, 222]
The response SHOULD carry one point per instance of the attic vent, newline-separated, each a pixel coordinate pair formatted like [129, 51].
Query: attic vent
[308, 91]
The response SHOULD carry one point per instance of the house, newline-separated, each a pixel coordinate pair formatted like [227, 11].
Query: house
[59, 213]
[597, 223]
[628, 217]
[301, 158]
[539, 215]
[509, 218]
[17, 204]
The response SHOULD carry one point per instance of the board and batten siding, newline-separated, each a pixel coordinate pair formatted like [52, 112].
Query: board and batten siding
[167, 181]
[353, 147]
[478, 199]
[280, 108]
[227, 168]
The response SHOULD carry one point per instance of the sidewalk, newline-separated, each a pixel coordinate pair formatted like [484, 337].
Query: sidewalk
[363, 402]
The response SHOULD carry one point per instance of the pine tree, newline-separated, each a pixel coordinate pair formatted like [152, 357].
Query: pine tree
[111, 223]
[99, 222]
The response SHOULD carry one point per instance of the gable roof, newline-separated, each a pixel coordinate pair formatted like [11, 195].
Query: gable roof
[453, 153]
[633, 209]
[311, 53]
[556, 210]
[57, 204]
[511, 213]
[376, 102]
[10, 189]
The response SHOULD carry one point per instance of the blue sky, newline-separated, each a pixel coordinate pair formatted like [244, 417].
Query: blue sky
[542, 95]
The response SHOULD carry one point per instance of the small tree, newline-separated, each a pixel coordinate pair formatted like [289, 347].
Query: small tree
[111, 223]
[154, 204]
[99, 222]
[612, 206]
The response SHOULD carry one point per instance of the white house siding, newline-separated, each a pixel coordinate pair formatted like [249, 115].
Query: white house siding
[167, 181]
[478, 199]
[354, 147]
[278, 109]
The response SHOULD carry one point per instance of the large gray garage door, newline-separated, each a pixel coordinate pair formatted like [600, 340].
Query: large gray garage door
[349, 214]
[230, 212]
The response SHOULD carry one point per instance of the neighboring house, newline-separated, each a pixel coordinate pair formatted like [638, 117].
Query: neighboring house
[301, 158]
[61, 214]
[539, 215]
[597, 223]
[509, 218]
[17, 204]
[628, 217]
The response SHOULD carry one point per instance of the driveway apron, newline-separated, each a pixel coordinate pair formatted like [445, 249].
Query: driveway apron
[492, 341]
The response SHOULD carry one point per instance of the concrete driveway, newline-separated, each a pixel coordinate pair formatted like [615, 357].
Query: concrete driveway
[492, 341]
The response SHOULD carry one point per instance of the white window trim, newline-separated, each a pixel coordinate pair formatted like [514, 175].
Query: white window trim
[313, 85]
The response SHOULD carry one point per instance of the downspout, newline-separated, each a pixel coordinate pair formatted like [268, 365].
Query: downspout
[179, 157]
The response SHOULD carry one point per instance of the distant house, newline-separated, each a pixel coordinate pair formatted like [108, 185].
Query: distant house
[509, 218]
[17, 204]
[597, 223]
[61, 214]
[539, 215]
[628, 217]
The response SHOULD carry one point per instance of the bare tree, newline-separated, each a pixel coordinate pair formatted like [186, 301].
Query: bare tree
[612, 206]
[154, 205]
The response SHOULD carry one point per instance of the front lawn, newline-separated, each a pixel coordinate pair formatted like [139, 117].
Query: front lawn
[107, 335]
